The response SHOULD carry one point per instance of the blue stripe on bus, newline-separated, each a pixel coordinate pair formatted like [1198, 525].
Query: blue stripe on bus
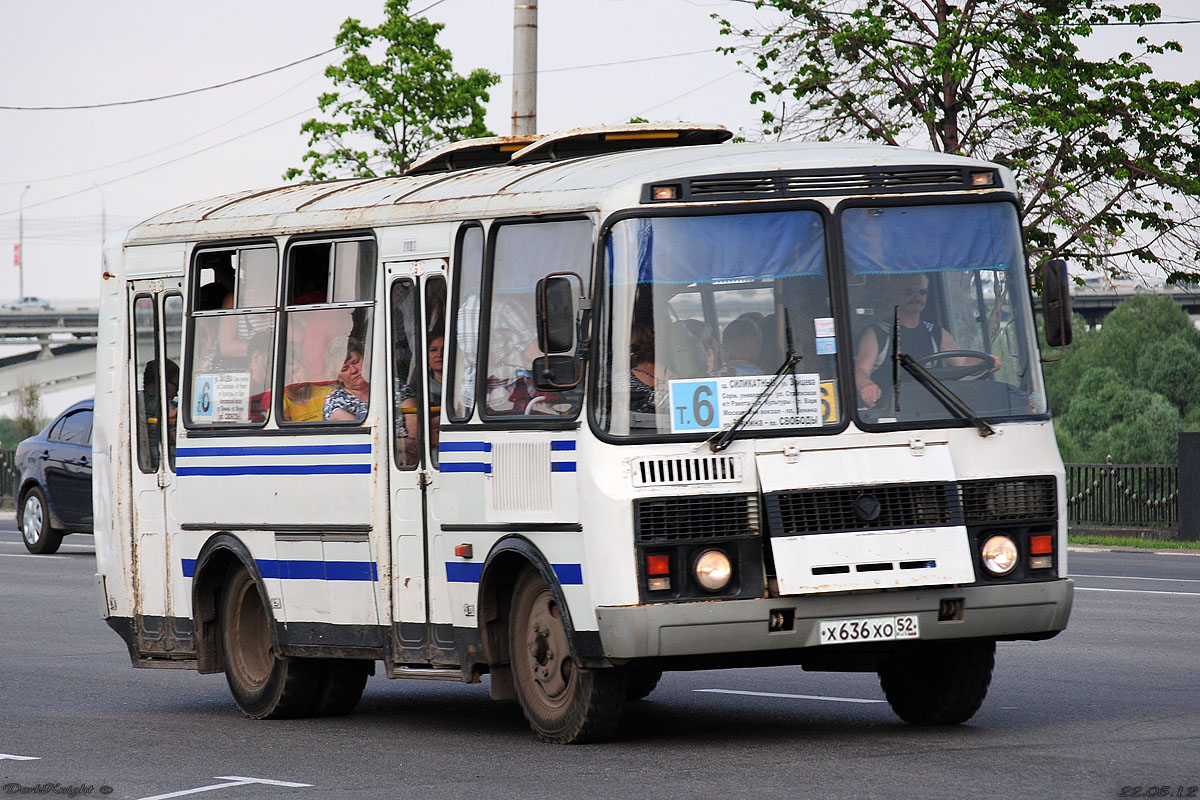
[305, 570]
[278, 469]
[465, 466]
[276, 450]
[464, 447]
[461, 572]
[562, 466]
[563, 445]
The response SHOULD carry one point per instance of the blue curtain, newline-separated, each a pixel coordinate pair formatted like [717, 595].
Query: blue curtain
[709, 249]
[931, 238]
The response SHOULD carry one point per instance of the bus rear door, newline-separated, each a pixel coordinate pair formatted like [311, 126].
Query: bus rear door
[156, 325]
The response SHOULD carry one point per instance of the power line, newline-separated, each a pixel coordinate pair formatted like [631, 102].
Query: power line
[140, 156]
[168, 96]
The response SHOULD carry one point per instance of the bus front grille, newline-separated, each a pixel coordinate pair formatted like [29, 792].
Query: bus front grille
[917, 505]
[714, 516]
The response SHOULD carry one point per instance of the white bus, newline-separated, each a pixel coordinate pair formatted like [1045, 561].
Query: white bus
[571, 411]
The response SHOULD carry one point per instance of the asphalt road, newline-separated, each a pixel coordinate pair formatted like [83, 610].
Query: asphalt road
[1110, 706]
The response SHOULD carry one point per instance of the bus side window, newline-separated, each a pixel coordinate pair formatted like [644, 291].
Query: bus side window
[327, 356]
[231, 348]
[406, 380]
[465, 335]
[524, 254]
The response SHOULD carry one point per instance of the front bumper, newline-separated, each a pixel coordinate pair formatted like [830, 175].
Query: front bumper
[1013, 611]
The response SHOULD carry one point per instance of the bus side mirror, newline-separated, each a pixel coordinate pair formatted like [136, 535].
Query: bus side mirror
[555, 315]
[1056, 303]
[555, 373]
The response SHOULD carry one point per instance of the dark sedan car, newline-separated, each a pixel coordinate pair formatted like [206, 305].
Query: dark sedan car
[53, 483]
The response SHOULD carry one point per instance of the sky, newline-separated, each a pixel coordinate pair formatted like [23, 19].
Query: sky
[70, 172]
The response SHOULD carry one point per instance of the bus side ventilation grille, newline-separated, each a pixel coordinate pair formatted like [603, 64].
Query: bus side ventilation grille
[1009, 499]
[716, 516]
[684, 470]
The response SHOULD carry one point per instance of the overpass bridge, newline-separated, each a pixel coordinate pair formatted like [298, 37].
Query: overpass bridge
[59, 345]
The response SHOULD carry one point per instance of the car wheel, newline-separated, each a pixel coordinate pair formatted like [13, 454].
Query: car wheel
[36, 532]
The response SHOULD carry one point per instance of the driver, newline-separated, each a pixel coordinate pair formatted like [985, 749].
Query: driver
[918, 338]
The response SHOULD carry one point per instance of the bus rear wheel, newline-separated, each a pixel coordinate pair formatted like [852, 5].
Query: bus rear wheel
[264, 684]
[563, 703]
[938, 683]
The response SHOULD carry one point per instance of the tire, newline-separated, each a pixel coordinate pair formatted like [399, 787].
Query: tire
[938, 683]
[641, 683]
[264, 684]
[340, 686]
[563, 703]
[36, 532]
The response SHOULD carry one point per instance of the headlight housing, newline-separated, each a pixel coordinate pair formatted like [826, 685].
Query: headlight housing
[999, 555]
[713, 570]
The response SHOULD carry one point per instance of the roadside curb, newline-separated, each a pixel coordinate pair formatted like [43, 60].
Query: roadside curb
[1104, 548]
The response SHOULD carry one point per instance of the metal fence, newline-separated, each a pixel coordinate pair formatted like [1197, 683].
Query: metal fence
[7, 475]
[1124, 496]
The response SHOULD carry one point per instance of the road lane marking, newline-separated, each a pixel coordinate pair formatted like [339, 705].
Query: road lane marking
[26, 555]
[4, 756]
[1131, 578]
[1134, 591]
[234, 780]
[791, 696]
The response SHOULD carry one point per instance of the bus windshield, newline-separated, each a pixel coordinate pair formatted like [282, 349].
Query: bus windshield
[949, 282]
[703, 311]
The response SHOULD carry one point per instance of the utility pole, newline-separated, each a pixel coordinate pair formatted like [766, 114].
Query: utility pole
[524, 113]
[21, 244]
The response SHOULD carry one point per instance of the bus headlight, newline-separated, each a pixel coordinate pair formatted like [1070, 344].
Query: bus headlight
[999, 555]
[713, 570]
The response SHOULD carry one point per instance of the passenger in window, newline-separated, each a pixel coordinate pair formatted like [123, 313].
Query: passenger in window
[349, 401]
[742, 343]
[153, 408]
[407, 407]
[647, 380]
[919, 338]
[212, 296]
[259, 366]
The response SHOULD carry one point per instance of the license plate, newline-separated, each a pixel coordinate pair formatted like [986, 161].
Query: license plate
[869, 629]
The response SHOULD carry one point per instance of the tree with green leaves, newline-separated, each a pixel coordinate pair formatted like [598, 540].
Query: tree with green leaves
[1106, 156]
[1128, 389]
[390, 111]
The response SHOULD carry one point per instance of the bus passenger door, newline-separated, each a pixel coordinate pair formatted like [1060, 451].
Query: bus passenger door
[156, 325]
[416, 321]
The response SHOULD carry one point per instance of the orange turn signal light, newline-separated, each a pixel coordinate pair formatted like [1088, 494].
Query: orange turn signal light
[1041, 545]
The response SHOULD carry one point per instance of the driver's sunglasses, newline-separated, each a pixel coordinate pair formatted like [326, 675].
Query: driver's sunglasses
[915, 292]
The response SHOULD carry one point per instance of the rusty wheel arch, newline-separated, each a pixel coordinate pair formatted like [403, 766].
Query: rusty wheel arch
[221, 553]
[508, 557]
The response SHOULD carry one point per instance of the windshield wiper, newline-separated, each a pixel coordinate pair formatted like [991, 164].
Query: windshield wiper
[947, 398]
[722, 439]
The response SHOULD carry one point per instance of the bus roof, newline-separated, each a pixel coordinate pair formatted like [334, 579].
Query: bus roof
[543, 186]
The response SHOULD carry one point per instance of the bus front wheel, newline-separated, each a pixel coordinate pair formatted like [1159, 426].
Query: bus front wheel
[563, 703]
[264, 684]
[938, 683]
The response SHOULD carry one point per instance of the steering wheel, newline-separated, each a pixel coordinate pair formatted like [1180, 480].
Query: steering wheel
[958, 372]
